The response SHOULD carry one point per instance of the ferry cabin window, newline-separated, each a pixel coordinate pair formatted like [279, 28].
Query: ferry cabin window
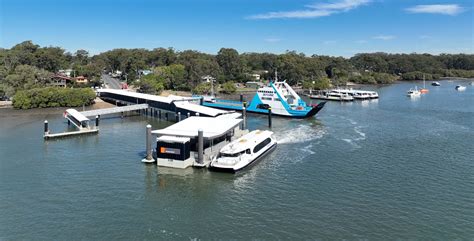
[266, 98]
[261, 145]
[231, 154]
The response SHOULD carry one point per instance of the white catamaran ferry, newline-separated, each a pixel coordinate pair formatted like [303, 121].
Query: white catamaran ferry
[244, 151]
[331, 95]
[344, 94]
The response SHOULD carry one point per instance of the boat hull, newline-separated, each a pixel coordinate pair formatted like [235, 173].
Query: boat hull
[330, 98]
[297, 114]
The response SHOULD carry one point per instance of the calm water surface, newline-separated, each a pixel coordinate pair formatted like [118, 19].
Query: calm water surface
[396, 168]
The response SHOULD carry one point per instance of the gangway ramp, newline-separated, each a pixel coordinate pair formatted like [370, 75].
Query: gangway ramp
[114, 110]
[81, 120]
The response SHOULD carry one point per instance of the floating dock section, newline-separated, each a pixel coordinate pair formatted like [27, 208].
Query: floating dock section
[81, 121]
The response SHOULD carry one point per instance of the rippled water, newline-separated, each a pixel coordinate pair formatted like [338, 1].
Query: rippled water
[396, 168]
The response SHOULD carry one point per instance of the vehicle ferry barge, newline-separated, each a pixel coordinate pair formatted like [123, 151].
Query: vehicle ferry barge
[278, 95]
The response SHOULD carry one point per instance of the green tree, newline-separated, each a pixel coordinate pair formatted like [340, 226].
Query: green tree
[173, 76]
[230, 62]
[228, 87]
[151, 84]
[202, 88]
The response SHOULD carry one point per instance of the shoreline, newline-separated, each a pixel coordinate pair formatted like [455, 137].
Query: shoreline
[7, 106]
[9, 111]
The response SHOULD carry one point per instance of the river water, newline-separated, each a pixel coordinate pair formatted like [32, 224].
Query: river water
[388, 169]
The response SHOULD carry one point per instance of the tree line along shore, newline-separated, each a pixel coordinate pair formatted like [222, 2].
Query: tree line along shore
[27, 70]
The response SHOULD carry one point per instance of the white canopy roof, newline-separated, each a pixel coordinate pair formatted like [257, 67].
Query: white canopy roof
[136, 95]
[173, 139]
[199, 108]
[77, 115]
[211, 127]
[179, 101]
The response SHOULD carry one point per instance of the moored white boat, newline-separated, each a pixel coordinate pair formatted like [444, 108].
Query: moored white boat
[413, 92]
[435, 83]
[244, 151]
[359, 94]
[331, 95]
[460, 87]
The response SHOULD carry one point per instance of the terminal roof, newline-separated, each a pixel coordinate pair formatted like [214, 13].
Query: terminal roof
[179, 101]
[211, 127]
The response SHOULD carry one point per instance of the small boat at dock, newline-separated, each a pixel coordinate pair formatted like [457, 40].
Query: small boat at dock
[435, 83]
[345, 94]
[331, 95]
[244, 151]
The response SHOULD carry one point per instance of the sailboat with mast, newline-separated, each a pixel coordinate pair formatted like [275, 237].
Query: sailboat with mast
[424, 90]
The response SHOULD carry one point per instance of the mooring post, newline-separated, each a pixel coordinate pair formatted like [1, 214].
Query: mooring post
[179, 116]
[244, 117]
[200, 146]
[270, 117]
[46, 128]
[97, 121]
[121, 114]
[148, 143]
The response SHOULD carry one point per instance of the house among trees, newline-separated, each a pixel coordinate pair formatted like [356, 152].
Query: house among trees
[81, 80]
[60, 80]
[66, 72]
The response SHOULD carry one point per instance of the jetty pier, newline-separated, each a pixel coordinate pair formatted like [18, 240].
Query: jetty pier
[82, 122]
[172, 108]
[168, 106]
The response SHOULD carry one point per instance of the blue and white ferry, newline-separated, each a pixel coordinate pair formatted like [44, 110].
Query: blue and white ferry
[278, 95]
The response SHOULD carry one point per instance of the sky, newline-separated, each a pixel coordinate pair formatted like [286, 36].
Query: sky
[322, 27]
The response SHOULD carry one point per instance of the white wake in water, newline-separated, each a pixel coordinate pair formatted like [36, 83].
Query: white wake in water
[300, 134]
